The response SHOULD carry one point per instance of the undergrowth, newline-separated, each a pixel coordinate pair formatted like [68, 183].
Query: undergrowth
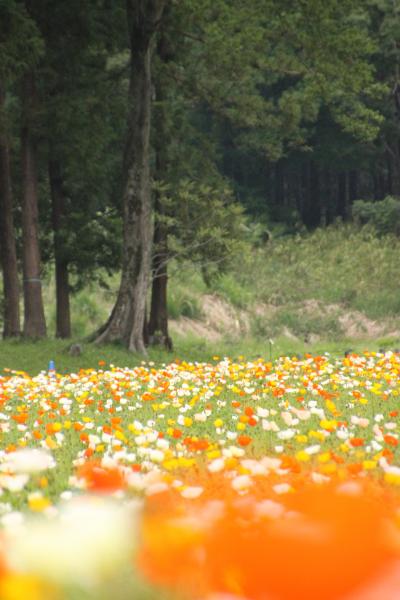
[344, 268]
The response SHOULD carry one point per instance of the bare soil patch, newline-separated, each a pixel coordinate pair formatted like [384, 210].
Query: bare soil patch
[221, 319]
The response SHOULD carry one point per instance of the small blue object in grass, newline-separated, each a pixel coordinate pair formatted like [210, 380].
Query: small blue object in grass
[52, 367]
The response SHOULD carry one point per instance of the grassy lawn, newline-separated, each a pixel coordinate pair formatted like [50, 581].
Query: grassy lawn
[34, 357]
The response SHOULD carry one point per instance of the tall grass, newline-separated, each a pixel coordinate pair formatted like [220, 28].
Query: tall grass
[339, 264]
[184, 291]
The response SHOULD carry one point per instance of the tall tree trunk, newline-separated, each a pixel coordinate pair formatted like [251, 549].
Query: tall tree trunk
[315, 189]
[158, 322]
[393, 162]
[304, 192]
[279, 184]
[326, 198]
[396, 170]
[390, 174]
[268, 184]
[63, 312]
[297, 192]
[379, 182]
[394, 147]
[312, 207]
[353, 186]
[11, 316]
[34, 319]
[342, 196]
[375, 185]
[126, 322]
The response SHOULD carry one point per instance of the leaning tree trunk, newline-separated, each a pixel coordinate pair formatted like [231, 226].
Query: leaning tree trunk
[63, 312]
[11, 316]
[127, 318]
[34, 319]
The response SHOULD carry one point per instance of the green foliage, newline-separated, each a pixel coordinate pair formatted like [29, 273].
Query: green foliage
[384, 216]
[185, 291]
[230, 287]
[262, 67]
[337, 265]
[83, 122]
[205, 225]
[182, 304]
[89, 309]
[90, 305]
[21, 44]
[301, 324]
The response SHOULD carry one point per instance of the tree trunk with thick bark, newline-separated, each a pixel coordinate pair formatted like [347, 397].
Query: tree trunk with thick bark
[279, 184]
[326, 197]
[158, 322]
[11, 314]
[394, 168]
[353, 186]
[312, 210]
[126, 322]
[34, 319]
[63, 312]
[303, 195]
[342, 197]
[394, 147]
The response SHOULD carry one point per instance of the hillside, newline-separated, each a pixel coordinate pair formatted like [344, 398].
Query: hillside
[333, 290]
[337, 283]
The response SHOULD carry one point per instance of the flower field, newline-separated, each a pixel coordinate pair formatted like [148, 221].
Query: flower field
[247, 480]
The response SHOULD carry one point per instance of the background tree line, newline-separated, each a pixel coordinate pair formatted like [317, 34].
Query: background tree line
[135, 132]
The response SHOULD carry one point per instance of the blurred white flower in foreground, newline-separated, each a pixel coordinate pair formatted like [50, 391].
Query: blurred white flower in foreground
[28, 461]
[13, 483]
[86, 543]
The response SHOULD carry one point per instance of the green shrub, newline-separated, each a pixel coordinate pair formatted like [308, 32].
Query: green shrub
[383, 215]
[182, 302]
[88, 312]
[232, 288]
[342, 265]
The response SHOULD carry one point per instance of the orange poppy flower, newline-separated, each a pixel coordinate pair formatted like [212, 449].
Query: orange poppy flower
[390, 440]
[356, 441]
[21, 418]
[244, 440]
[332, 544]
[101, 479]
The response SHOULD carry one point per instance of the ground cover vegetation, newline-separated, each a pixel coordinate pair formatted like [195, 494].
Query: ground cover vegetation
[314, 293]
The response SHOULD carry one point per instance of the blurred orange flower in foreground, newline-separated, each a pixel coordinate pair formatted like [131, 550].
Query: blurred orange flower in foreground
[321, 542]
[101, 479]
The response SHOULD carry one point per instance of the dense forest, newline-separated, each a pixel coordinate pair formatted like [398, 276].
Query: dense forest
[136, 132]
